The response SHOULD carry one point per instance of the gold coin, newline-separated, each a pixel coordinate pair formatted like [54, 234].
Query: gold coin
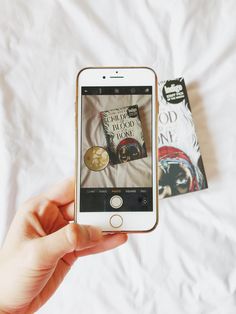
[96, 158]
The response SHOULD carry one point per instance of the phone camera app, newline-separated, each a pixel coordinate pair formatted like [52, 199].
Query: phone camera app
[116, 149]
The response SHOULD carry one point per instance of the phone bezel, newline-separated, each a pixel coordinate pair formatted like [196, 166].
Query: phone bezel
[123, 76]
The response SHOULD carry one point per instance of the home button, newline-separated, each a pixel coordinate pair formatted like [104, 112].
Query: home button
[116, 221]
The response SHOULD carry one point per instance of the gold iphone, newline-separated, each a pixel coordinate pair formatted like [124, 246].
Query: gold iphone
[116, 149]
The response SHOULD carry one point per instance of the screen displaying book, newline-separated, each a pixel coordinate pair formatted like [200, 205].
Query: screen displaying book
[116, 150]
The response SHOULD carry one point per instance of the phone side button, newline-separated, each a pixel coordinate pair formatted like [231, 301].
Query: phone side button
[116, 221]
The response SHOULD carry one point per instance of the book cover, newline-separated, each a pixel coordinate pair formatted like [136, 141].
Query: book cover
[181, 167]
[124, 134]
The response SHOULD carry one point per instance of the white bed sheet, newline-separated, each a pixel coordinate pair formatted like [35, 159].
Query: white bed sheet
[188, 264]
[130, 174]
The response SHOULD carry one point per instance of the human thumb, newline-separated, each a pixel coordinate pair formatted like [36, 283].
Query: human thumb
[67, 239]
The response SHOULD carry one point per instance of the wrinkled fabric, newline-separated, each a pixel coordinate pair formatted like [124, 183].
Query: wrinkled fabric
[188, 264]
[128, 174]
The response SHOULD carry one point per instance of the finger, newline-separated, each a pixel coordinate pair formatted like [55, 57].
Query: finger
[44, 214]
[109, 242]
[62, 193]
[49, 216]
[68, 211]
[69, 238]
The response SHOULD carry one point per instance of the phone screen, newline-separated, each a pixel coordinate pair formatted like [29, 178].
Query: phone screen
[116, 149]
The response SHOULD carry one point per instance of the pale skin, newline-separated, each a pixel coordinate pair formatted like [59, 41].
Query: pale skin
[41, 246]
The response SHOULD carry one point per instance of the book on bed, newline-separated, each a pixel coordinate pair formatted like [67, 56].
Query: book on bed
[181, 167]
[124, 134]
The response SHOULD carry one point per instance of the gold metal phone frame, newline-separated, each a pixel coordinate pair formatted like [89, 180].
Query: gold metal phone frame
[76, 145]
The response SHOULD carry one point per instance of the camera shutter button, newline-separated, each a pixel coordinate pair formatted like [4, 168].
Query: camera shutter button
[116, 201]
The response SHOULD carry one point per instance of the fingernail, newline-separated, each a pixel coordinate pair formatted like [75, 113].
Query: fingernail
[95, 233]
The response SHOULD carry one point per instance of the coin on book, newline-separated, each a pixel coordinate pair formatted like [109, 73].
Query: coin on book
[96, 158]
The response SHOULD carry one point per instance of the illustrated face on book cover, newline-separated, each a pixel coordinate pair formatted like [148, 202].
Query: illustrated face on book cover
[177, 174]
[116, 145]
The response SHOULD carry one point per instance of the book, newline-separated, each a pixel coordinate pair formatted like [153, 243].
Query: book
[181, 167]
[124, 134]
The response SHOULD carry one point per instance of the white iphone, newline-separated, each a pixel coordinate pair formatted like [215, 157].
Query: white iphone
[116, 149]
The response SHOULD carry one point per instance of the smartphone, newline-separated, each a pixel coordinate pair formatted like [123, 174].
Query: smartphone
[116, 148]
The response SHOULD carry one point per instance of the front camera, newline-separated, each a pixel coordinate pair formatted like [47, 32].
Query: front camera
[104, 77]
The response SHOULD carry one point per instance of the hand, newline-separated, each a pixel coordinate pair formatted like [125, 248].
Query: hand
[41, 247]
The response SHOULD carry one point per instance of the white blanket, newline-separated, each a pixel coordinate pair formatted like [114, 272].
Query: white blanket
[188, 264]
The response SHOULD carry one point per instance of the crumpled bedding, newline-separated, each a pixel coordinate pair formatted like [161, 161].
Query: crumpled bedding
[129, 174]
[188, 264]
